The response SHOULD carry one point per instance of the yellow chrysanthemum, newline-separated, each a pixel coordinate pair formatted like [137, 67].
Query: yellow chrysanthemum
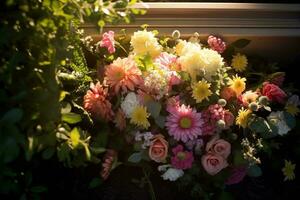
[201, 91]
[288, 170]
[242, 118]
[144, 42]
[139, 116]
[292, 109]
[239, 62]
[238, 84]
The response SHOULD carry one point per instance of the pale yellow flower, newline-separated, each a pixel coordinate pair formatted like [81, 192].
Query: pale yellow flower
[242, 118]
[238, 84]
[292, 109]
[139, 116]
[145, 42]
[201, 91]
[239, 62]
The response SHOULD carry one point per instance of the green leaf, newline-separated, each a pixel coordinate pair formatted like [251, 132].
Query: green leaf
[135, 157]
[38, 189]
[241, 43]
[238, 158]
[11, 150]
[71, 118]
[154, 108]
[101, 23]
[12, 116]
[254, 171]
[260, 125]
[95, 182]
[62, 95]
[87, 151]
[97, 150]
[160, 121]
[48, 153]
[66, 108]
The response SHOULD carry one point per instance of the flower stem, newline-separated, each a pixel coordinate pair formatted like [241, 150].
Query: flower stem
[151, 189]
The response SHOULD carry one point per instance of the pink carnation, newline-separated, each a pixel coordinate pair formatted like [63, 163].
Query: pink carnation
[211, 116]
[182, 159]
[108, 41]
[216, 44]
[273, 92]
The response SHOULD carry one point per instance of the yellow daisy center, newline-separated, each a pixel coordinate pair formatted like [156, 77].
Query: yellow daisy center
[185, 122]
[181, 155]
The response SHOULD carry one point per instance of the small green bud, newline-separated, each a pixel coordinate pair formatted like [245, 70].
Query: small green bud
[263, 100]
[222, 102]
[253, 106]
[221, 124]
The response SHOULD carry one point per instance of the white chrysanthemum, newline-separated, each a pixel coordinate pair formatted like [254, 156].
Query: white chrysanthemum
[183, 47]
[144, 42]
[206, 60]
[277, 119]
[172, 174]
[130, 102]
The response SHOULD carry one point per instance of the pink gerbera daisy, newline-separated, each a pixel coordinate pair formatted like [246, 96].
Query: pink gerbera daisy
[182, 159]
[184, 123]
[96, 103]
[123, 74]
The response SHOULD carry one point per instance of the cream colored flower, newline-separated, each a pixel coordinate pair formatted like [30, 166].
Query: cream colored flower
[144, 42]
[204, 60]
[183, 47]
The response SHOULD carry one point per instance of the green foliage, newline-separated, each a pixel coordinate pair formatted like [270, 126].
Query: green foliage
[40, 44]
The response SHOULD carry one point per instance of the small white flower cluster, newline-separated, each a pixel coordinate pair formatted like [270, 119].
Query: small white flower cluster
[171, 174]
[156, 81]
[145, 137]
[277, 119]
[130, 102]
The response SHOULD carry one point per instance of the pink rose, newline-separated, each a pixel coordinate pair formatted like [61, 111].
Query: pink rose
[108, 41]
[227, 93]
[219, 147]
[273, 92]
[158, 150]
[228, 118]
[213, 163]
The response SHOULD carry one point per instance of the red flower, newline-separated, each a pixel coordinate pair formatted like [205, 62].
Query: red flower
[273, 92]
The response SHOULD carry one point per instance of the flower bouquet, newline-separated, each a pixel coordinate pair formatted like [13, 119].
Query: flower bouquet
[197, 113]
